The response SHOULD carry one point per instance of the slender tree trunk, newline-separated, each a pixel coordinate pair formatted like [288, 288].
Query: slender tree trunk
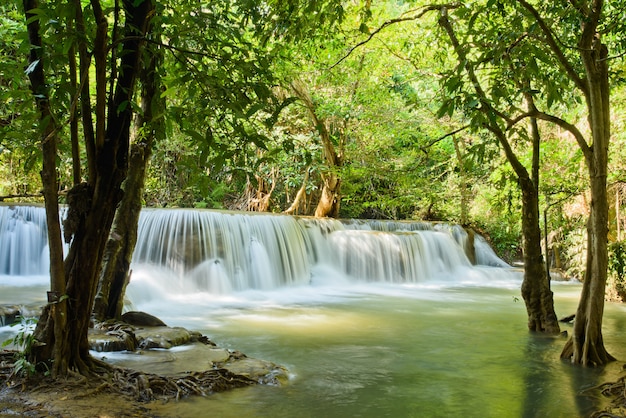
[56, 310]
[123, 238]
[463, 187]
[298, 200]
[535, 287]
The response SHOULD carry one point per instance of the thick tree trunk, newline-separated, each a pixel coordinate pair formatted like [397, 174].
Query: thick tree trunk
[56, 310]
[330, 199]
[92, 207]
[586, 345]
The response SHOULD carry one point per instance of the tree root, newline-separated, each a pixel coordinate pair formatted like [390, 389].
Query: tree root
[148, 387]
[616, 391]
[143, 387]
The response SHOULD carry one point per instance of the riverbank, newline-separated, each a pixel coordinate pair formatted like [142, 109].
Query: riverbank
[143, 368]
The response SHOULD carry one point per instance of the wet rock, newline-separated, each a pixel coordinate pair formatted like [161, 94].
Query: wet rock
[142, 319]
[162, 337]
[102, 340]
[8, 315]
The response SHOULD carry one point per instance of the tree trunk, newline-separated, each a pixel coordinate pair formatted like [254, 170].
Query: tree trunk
[115, 274]
[298, 200]
[536, 286]
[56, 310]
[463, 186]
[586, 345]
[92, 208]
[328, 205]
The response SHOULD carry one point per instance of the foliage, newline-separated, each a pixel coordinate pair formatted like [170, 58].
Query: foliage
[23, 341]
[616, 287]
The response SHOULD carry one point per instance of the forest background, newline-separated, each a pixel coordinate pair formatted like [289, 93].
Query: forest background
[357, 120]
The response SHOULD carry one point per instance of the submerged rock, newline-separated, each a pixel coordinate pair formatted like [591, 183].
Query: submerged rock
[102, 340]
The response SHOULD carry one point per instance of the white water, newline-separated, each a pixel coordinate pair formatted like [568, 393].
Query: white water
[224, 252]
[372, 319]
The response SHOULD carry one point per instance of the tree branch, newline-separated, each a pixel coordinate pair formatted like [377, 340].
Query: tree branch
[554, 47]
[422, 12]
[449, 134]
[580, 138]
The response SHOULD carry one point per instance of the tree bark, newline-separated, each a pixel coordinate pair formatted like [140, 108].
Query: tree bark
[92, 206]
[57, 307]
[586, 345]
[116, 272]
[330, 198]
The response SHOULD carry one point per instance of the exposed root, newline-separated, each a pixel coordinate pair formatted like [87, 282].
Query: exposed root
[140, 386]
[616, 392]
[147, 386]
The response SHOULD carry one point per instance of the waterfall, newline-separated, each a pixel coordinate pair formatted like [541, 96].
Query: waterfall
[23, 241]
[221, 252]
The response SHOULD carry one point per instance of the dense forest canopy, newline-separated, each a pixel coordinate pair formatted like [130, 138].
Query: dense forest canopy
[483, 113]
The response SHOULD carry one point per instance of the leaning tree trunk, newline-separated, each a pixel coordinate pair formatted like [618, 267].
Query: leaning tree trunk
[93, 205]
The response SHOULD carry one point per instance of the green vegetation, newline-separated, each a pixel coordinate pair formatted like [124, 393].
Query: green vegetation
[23, 342]
[486, 113]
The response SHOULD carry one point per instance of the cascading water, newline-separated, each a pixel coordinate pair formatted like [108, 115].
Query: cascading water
[373, 318]
[222, 252]
[23, 241]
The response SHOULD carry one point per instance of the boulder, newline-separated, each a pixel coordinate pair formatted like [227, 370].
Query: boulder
[142, 319]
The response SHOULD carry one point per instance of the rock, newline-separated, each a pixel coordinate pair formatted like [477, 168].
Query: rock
[142, 319]
[114, 340]
[8, 315]
[162, 337]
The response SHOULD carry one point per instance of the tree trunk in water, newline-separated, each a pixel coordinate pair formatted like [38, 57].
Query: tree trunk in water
[536, 286]
[586, 345]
